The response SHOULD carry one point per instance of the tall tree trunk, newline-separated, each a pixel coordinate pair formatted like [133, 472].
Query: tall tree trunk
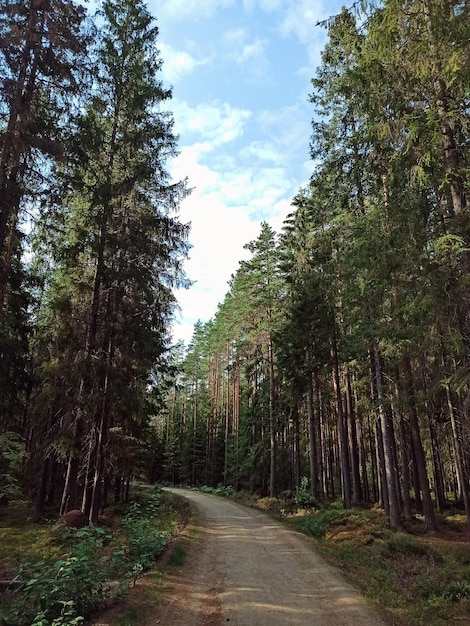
[439, 488]
[320, 415]
[385, 423]
[373, 451]
[428, 509]
[15, 147]
[272, 421]
[295, 463]
[463, 479]
[405, 470]
[313, 462]
[342, 431]
[353, 442]
[101, 443]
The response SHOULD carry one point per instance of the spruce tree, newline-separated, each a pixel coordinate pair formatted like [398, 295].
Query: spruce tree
[122, 252]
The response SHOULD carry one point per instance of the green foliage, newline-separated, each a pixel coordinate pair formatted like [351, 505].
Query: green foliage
[145, 540]
[302, 496]
[457, 590]
[270, 505]
[403, 544]
[221, 490]
[12, 454]
[67, 589]
[67, 617]
[319, 523]
[178, 556]
[94, 565]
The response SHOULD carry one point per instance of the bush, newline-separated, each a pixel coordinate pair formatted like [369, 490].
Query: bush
[12, 453]
[145, 541]
[302, 496]
[271, 505]
[63, 592]
[220, 490]
[318, 524]
[95, 566]
[401, 543]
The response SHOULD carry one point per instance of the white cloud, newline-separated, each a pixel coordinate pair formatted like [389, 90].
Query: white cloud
[178, 63]
[253, 52]
[249, 5]
[216, 122]
[251, 55]
[262, 151]
[235, 37]
[218, 235]
[300, 19]
[287, 132]
[266, 5]
[230, 197]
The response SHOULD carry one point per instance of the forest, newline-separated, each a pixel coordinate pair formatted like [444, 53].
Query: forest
[339, 358]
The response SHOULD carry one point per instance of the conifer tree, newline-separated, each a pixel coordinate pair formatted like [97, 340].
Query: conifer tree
[42, 43]
[111, 296]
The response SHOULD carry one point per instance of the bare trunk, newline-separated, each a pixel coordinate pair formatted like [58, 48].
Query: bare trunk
[428, 509]
[405, 471]
[342, 432]
[385, 425]
[353, 443]
[312, 440]
[272, 422]
[458, 455]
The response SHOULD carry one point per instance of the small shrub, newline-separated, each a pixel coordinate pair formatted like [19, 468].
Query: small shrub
[227, 491]
[206, 489]
[401, 543]
[89, 570]
[178, 556]
[61, 593]
[302, 496]
[457, 590]
[145, 540]
[271, 505]
[12, 454]
[319, 523]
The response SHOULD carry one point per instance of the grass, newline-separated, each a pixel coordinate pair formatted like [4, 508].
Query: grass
[22, 540]
[412, 578]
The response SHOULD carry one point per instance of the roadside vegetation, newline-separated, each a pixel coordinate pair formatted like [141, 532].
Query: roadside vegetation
[413, 578]
[54, 575]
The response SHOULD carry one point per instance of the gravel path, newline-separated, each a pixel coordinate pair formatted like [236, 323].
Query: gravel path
[245, 569]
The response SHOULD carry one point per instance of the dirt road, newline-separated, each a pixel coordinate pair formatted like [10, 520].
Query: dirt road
[247, 570]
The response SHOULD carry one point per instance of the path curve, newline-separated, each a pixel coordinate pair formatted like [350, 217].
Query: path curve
[249, 570]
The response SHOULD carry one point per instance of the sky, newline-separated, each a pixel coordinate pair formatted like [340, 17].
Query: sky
[240, 73]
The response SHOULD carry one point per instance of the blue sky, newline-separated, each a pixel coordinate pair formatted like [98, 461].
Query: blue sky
[240, 72]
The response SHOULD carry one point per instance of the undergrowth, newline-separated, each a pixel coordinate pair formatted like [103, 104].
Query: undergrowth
[80, 570]
[413, 578]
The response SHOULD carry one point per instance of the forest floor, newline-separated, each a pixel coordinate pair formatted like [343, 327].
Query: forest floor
[243, 568]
